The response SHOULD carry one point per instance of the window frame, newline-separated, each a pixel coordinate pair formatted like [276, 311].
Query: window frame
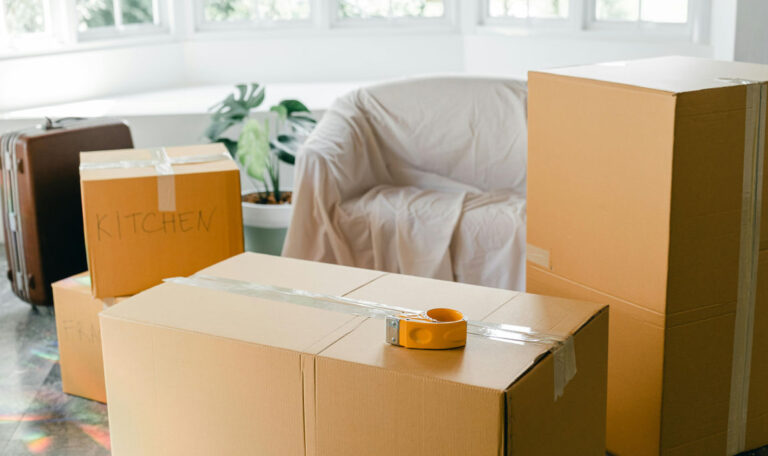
[203, 25]
[555, 23]
[160, 26]
[10, 43]
[448, 21]
[582, 20]
[695, 29]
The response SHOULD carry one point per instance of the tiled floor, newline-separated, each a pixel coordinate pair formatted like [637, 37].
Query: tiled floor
[35, 416]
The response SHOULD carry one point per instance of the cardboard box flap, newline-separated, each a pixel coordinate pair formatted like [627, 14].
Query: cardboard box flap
[230, 316]
[248, 319]
[674, 74]
[130, 155]
[79, 282]
[556, 316]
[483, 362]
[278, 271]
[419, 293]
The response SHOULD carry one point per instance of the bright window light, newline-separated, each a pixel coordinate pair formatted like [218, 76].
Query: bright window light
[544, 9]
[255, 10]
[663, 11]
[95, 13]
[117, 14]
[383, 9]
[672, 11]
[24, 16]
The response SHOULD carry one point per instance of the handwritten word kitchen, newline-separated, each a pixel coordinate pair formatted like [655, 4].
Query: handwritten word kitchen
[118, 225]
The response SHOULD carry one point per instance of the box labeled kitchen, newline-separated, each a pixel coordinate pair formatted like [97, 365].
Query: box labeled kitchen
[273, 377]
[155, 213]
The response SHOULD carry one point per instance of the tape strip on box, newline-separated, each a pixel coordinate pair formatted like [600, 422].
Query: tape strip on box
[562, 348]
[754, 150]
[163, 164]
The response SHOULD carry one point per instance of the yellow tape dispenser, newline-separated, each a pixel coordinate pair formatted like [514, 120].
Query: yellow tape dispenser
[435, 329]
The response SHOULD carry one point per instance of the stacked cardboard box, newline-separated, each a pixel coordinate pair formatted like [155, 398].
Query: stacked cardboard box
[148, 214]
[198, 370]
[644, 193]
[77, 327]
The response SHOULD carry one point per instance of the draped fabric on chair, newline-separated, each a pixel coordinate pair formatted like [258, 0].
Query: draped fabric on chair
[423, 176]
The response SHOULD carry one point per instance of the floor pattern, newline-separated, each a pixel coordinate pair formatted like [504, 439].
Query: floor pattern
[35, 416]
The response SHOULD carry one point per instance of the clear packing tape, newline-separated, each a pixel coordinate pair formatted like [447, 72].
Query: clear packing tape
[562, 348]
[163, 164]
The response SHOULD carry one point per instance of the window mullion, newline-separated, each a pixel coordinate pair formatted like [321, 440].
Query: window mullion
[323, 13]
[5, 39]
[578, 11]
[117, 11]
[156, 19]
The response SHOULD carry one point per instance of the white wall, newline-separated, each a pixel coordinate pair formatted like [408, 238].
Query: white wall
[49, 79]
[350, 55]
[322, 58]
[516, 55]
[751, 43]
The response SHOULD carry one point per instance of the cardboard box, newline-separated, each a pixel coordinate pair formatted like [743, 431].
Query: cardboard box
[198, 371]
[77, 327]
[636, 177]
[144, 223]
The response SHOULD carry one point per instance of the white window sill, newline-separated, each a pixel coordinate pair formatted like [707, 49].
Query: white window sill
[186, 101]
[602, 34]
[89, 45]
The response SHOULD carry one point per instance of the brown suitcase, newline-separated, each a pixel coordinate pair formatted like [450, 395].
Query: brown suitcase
[42, 214]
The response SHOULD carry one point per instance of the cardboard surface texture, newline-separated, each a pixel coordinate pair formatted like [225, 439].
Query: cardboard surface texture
[635, 200]
[77, 327]
[200, 371]
[142, 226]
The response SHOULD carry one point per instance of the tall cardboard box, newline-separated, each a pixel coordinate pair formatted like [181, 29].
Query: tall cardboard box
[644, 193]
[77, 327]
[155, 213]
[200, 371]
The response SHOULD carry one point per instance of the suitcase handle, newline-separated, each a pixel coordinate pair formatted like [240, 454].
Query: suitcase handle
[51, 124]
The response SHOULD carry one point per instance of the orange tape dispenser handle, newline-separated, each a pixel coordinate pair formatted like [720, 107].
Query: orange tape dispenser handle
[436, 329]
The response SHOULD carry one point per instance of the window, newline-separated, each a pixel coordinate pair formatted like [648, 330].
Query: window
[389, 9]
[523, 9]
[671, 17]
[43, 25]
[23, 22]
[261, 12]
[660, 11]
[100, 18]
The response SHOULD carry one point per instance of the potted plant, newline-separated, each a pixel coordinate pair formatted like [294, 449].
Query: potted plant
[259, 148]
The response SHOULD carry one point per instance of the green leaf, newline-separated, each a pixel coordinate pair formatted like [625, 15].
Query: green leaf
[253, 148]
[303, 118]
[281, 111]
[286, 157]
[217, 128]
[230, 144]
[292, 106]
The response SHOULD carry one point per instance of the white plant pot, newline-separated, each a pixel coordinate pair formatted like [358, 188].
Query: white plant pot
[267, 215]
[265, 226]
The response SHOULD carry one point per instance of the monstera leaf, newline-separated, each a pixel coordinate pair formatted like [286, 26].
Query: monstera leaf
[253, 149]
[234, 109]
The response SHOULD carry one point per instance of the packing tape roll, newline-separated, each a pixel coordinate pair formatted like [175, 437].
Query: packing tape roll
[163, 164]
[562, 348]
[754, 151]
